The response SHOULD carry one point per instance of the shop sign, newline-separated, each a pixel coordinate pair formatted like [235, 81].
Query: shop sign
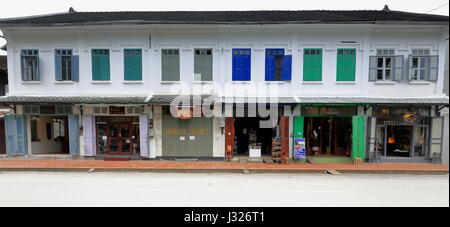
[299, 148]
[116, 110]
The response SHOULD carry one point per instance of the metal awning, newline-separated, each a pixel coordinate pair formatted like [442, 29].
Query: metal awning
[73, 99]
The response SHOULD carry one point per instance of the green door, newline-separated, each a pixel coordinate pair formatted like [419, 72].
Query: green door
[185, 138]
[299, 127]
[358, 139]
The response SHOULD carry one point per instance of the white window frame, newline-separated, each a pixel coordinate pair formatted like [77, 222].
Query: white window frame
[422, 66]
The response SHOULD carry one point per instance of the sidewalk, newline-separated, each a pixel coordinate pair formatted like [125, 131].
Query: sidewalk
[225, 167]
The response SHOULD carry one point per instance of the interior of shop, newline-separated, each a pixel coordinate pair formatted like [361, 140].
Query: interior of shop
[328, 136]
[117, 135]
[49, 134]
[249, 135]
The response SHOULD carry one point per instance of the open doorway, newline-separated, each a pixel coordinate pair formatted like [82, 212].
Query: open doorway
[49, 134]
[249, 135]
[328, 136]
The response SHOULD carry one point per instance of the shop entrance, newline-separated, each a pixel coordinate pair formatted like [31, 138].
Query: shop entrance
[118, 135]
[402, 140]
[248, 135]
[49, 134]
[328, 136]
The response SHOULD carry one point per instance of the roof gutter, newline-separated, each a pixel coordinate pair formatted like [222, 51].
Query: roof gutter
[142, 22]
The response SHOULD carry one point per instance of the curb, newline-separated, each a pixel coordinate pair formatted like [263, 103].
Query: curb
[248, 171]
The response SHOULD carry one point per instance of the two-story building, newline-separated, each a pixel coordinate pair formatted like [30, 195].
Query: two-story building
[350, 84]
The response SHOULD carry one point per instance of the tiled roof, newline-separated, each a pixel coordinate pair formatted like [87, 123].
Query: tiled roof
[73, 99]
[226, 17]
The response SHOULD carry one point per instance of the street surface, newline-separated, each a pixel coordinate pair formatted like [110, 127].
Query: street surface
[201, 189]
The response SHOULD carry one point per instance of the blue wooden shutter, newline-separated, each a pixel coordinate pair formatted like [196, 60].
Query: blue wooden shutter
[21, 133]
[75, 68]
[270, 67]
[236, 66]
[10, 134]
[433, 67]
[38, 75]
[23, 67]
[287, 68]
[246, 67]
[73, 135]
[58, 67]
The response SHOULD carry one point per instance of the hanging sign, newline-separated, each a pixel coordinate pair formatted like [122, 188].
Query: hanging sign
[299, 148]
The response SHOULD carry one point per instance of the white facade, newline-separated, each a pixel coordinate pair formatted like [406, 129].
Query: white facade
[293, 38]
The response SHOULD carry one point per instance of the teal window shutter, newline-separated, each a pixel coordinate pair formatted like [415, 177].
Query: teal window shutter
[133, 64]
[346, 65]
[21, 135]
[312, 65]
[100, 64]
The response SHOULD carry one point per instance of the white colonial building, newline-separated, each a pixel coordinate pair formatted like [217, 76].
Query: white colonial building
[214, 85]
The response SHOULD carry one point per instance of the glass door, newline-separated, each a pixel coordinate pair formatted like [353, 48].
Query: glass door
[380, 141]
[420, 141]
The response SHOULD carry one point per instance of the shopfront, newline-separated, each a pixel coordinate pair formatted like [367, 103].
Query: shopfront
[116, 130]
[42, 130]
[331, 131]
[255, 134]
[186, 135]
[406, 132]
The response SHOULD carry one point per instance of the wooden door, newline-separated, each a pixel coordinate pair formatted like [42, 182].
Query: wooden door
[229, 134]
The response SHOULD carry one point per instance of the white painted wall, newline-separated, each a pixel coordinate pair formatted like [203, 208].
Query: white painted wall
[293, 38]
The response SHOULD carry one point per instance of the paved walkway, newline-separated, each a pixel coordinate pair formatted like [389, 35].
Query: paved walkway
[100, 165]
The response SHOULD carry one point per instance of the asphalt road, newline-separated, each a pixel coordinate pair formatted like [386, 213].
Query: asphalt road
[256, 190]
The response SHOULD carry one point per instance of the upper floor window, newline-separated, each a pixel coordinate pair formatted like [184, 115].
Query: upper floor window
[100, 65]
[278, 65]
[346, 65]
[29, 60]
[203, 65]
[170, 64]
[386, 66]
[66, 65]
[312, 65]
[132, 64]
[241, 64]
[422, 66]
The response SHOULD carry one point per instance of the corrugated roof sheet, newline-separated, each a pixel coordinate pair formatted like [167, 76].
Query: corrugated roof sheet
[73, 99]
[190, 100]
[223, 17]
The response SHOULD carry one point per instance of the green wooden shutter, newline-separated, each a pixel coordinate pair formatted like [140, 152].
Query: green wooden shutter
[346, 65]
[96, 66]
[170, 65]
[100, 65]
[299, 126]
[312, 65]
[203, 64]
[358, 138]
[133, 64]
